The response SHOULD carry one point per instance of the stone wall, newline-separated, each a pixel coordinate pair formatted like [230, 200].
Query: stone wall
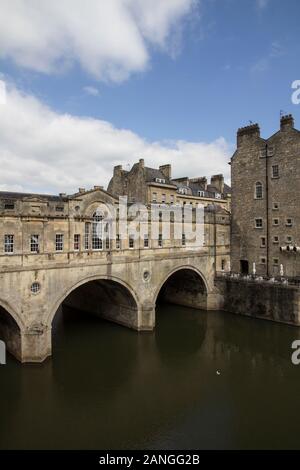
[277, 302]
[279, 201]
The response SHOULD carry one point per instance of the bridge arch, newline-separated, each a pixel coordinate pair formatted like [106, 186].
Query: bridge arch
[184, 285]
[13, 313]
[107, 296]
[11, 328]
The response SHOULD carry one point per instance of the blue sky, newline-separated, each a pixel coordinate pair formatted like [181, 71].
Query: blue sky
[214, 67]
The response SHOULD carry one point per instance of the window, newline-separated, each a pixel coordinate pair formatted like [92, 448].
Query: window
[183, 240]
[87, 231]
[275, 171]
[289, 239]
[275, 239]
[263, 153]
[118, 241]
[275, 206]
[223, 264]
[258, 223]
[34, 243]
[276, 222]
[76, 242]
[263, 260]
[154, 197]
[275, 261]
[146, 240]
[289, 222]
[9, 205]
[218, 195]
[258, 190]
[160, 240]
[262, 242]
[163, 198]
[201, 193]
[131, 241]
[172, 199]
[97, 243]
[183, 190]
[8, 243]
[59, 208]
[107, 242]
[59, 242]
[35, 287]
[160, 180]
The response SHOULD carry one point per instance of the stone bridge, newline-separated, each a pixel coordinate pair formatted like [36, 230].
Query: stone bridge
[119, 286]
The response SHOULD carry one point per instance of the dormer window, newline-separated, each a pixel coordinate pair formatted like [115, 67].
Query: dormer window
[218, 196]
[183, 190]
[59, 208]
[201, 193]
[160, 180]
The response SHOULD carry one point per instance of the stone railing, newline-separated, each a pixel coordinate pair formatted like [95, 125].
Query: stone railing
[283, 280]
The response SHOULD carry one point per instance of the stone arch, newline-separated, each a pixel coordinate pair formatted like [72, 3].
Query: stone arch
[11, 328]
[184, 288]
[13, 313]
[112, 280]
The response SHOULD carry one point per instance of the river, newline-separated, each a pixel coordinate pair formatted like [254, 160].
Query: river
[202, 380]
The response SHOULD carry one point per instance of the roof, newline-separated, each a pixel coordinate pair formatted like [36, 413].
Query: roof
[15, 195]
[152, 173]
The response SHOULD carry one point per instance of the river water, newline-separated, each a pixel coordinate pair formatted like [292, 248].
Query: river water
[200, 380]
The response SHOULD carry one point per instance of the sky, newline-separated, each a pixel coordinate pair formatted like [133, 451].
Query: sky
[90, 85]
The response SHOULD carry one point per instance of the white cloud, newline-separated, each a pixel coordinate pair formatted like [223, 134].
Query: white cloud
[91, 90]
[43, 151]
[110, 39]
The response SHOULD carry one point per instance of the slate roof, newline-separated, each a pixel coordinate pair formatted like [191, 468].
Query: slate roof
[152, 173]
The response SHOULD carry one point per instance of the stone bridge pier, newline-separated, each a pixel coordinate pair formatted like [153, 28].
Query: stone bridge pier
[120, 290]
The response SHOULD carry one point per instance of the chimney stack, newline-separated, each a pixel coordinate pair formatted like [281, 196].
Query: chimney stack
[117, 169]
[218, 182]
[246, 133]
[166, 170]
[286, 122]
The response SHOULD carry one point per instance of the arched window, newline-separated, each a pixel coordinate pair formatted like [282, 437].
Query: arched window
[97, 236]
[258, 190]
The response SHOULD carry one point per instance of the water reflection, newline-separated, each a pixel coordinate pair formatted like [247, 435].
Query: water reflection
[109, 387]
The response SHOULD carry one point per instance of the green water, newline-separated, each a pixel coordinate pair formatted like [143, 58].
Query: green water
[107, 387]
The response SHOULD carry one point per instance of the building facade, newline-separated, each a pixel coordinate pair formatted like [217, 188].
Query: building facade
[265, 178]
[151, 185]
[54, 253]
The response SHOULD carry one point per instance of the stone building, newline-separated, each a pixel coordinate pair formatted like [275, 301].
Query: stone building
[52, 254]
[151, 185]
[265, 178]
